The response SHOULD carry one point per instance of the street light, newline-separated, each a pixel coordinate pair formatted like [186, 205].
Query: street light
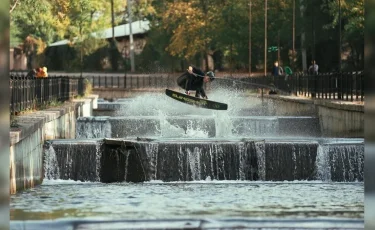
[339, 35]
[265, 38]
[250, 4]
[132, 66]
[294, 35]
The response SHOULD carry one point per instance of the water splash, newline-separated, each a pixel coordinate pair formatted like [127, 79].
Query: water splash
[223, 125]
[167, 129]
[226, 124]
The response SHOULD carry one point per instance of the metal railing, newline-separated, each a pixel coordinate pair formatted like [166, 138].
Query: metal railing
[334, 86]
[136, 81]
[26, 93]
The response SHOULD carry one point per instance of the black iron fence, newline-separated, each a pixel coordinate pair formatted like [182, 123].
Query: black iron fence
[136, 81]
[348, 86]
[27, 93]
[334, 86]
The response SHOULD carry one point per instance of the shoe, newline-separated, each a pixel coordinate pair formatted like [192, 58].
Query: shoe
[187, 93]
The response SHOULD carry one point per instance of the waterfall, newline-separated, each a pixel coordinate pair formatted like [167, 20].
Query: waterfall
[260, 147]
[98, 156]
[69, 159]
[290, 160]
[51, 167]
[93, 127]
[152, 155]
[347, 162]
[194, 162]
[322, 164]
[340, 162]
[199, 160]
[174, 160]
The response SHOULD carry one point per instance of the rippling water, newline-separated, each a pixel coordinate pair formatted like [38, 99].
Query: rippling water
[199, 199]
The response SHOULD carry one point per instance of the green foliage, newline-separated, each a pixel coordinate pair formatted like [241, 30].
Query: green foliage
[49, 20]
[184, 32]
[352, 30]
[34, 17]
[87, 87]
[14, 35]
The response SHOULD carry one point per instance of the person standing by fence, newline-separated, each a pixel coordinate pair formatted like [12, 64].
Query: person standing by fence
[313, 69]
[42, 72]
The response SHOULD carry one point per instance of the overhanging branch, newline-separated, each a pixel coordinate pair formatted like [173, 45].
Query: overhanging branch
[14, 6]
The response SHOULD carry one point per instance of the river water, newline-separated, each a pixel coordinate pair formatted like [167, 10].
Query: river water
[70, 200]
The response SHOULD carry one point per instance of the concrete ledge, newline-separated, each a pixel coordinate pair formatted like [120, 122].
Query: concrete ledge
[349, 106]
[29, 123]
[94, 100]
[33, 129]
[291, 98]
[342, 105]
[336, 118]
[83, 107]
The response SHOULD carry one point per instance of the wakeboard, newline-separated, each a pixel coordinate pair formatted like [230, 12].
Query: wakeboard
[199, 102]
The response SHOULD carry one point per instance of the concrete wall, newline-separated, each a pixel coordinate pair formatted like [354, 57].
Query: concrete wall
[288, 106]
[340, 119]
[32, 129]
[336, 118]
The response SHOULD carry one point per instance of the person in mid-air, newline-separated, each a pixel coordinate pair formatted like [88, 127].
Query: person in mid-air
[193, 79]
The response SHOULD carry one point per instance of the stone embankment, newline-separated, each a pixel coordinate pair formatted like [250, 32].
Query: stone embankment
[29, 133]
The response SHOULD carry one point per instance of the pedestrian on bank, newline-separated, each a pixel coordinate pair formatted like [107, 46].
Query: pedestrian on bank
[314, 68]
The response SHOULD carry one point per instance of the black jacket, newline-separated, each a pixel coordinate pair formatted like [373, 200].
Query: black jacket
[195, 82]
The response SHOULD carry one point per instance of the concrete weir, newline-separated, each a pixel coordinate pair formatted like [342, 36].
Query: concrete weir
[203, 126]
[137, 160]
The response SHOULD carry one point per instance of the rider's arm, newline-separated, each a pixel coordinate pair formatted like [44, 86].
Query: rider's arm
[193, 69]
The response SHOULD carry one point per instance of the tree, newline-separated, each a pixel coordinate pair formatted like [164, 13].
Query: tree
[352, 20]
[50, 20]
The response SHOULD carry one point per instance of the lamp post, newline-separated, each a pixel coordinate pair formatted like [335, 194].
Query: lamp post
[250, 3]
[294, 32]
[132, 67]
[265, 38]
[313, 34]
[339, 35]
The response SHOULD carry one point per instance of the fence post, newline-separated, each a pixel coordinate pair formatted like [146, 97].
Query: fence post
[362, 86]
[339, 95]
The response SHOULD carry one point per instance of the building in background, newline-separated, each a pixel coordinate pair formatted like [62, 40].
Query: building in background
[121, 34]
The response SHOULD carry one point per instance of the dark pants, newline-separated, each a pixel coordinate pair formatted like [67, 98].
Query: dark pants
[200, 92]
